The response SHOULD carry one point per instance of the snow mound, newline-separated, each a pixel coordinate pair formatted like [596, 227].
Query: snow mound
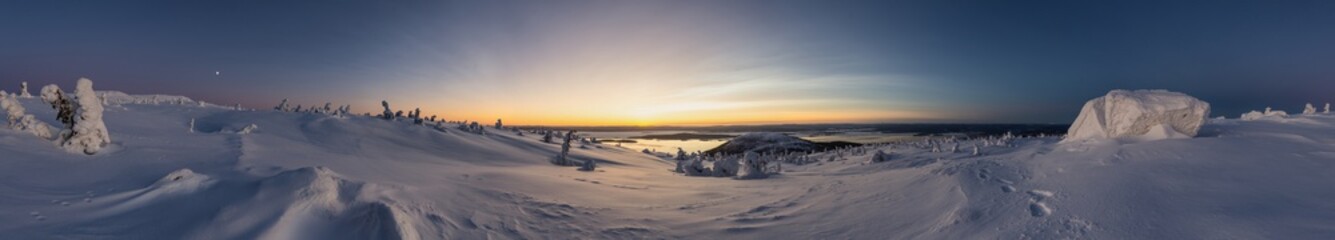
[1138, 113]
[324, 205]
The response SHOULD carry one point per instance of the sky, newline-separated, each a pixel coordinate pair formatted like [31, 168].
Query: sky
[574, 62]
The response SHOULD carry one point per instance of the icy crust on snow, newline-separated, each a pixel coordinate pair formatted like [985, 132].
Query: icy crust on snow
[1145, 114]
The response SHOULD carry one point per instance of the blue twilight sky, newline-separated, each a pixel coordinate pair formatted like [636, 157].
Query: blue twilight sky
[684, 62]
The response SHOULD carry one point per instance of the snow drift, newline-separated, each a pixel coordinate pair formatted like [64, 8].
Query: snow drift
[1148, 114]
[317, 176]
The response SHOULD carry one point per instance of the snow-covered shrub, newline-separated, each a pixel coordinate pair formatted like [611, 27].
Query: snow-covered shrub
[1309, 109]
[90, 133]
[1123, 113]
[589, 165]
[725, 167]
[752, 167]
[879, 156]
[1268, 114]
[21, 121]
[681, 154]
[695, 167]
[248, 129]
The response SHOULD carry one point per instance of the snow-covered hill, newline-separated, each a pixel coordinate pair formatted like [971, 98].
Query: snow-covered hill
[769, 142]
[316, 176]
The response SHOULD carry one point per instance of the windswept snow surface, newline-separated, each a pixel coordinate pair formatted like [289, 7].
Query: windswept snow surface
[316, 176]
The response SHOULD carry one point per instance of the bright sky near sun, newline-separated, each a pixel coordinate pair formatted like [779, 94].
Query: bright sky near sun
[682, 62]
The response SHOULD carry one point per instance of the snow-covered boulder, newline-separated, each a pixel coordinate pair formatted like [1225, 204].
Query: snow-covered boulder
[1123, 113]
[1309, 109]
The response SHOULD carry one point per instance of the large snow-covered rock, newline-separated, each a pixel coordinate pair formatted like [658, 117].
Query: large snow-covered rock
[1140, 113]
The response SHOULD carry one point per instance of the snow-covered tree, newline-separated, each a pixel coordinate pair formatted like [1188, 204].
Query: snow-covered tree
[388, 114]
[725, 167]
[90, 133]
[975, 150]
[562, 159]
[23, 90]
[282, 106]
[1327, 108]
[417, 116]
[498, 124]
[752, 167]
[696, 167]
[547, 136]
[1308, 109]
[192, 126]
[51, 94]
[21, 121]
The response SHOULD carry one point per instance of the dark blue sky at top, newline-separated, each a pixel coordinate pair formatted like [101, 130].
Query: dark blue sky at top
[1003, 61]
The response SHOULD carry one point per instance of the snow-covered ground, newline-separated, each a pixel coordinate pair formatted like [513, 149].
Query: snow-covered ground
[315, 176]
